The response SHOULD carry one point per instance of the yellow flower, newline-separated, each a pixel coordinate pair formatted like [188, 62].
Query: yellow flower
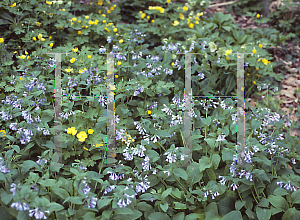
[89, 56]
[112, 8]
[75, 49]
[260, 45]
[108, 11]
[117, 34]
[228, 52]
[79, 21]
[51, 45]
[191, 25]
[28, 58]
[162, 10]
[257, 75]
[116, 76]
[84, 147]
[152, 21]
[79, 32]
[99, 12]
[121, 41]
[96, 22]
[63, 9]
[258, 60]
[103, 15]
[149, 112]
[72, 60]
[200, 14]
[248, 74]
[173, 64]
[100, 2]
[148, 17]
[257, 68]
[90, 131]
[13, 5]
[115, 29]
[227, 58]
[254, 51]
[119, 63]
[197, 22]
[107, 29]
[22, 57]
[49, 3]
[21, 78]
[38, 23]
[74, 19]
[72, 131]
[254, 82]
[91, 22]
[168, 1]
[185, 8]
[2, 131]
[50, 37]
[81, 135]
[40, 36]
[69, 70]
[42, 39]
[258, 15]
[143, 15]
[1, 40]
[86, 17]
[181, 16]
[175, 23]
[26, 52]
[86, 26]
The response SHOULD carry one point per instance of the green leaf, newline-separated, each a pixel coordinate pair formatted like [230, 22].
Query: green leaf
[159, 215]
[291, 214]
[163, 133]
[47, 115]
[278, 202]
[206, 121]
[227, 154]
[233, 128]
[263, 214]
[216, 160]
[53, 206]
[62, 193]
[179, 216]
[22, 215]
[10, 137]
[16, 148]
[49, 144]
[103, 202]
[194, 174]
[239, 205]
[296, 197]
[263, 203]
[123, 211]
[153, 155]
[193, 216]
[177, 193]
[261, 174]
[76, 200]
[179, 205]
[226, 205]
[6, 197]
[164, 207]
[166, 193]
[178, 172]
[28, 164]
[48, 182]
[143, 206]
[89, 215]
[211, 174]
[255, 124]
[236, 215]
[204, 163]
[280, 192]
[210, 141]
[9, 153]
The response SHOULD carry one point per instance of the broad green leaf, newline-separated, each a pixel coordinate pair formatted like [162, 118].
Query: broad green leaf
[143, 206]
[60, 192]
[89, 215]
[226, 205]
[211, 174]
[193, 216]
[123, 211]
[210, 141]
[227, 154]
[158, 215]
[47, 115]
[194, 174]
[53, 206]
[296, 197]
[178, 216]
[216, 160]
[239, 205]
[291, 214]
[164, 207]
[16, 148]
[206, 121]
[204, 163]
[177, 193]
[179, 172]
[261, 174]
[278, 202]
[48, 182]
[76, 200]
[179, 205]
[28, 164]
[263, 203]
[263, 213]
[6, 197]
[255, 124]
[236, 215]
[103, 202]
[166, 193]
[280, 192]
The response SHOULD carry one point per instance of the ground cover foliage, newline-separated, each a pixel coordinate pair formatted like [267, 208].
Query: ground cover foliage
[149, 110]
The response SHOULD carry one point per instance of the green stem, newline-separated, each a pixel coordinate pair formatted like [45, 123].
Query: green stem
[241, 198]
[229, 85]
[254, 196]
[256, 191]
